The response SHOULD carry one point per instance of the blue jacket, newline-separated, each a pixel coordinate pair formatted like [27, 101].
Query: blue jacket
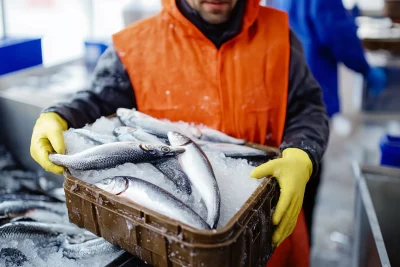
[328, 34]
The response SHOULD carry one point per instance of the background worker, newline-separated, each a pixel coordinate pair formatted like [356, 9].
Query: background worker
[229, 64]
[329, 36]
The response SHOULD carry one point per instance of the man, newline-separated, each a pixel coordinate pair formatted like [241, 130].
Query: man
[229, 64]
[329, 36]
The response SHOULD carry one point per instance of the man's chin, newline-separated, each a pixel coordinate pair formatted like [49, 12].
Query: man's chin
[215, 18]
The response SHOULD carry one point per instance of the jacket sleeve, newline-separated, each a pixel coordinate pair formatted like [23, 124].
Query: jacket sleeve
[110, 89]
[306, 125]
[337, 31]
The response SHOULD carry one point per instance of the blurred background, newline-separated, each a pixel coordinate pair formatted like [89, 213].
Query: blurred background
[48, 49]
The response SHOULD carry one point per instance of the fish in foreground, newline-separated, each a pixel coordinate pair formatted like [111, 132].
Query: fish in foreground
[88, 249]
[208, 134]
[95, 137]
[22, 206]
[232, 150]
[114, 154]
[152, 197]
[198, 168]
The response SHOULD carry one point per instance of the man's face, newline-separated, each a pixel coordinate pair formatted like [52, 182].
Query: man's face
[213, 11]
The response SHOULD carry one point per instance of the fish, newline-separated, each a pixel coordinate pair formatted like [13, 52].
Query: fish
[22, 206]
[12, 257]
[171, 168]
[114, 154]
[40, 232]
[212, 135]
[152, 197]
[95, 137]
[88, 249]
[232, 150]
[153, 126]
[44, 216]
[130, 134]
[200, 172]
[26, 197]
[125, 114]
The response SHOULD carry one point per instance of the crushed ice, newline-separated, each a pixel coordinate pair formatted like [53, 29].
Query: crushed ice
[232, 175]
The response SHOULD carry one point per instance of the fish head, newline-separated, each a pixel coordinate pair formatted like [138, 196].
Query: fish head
[178, 139]
[115, 185]
[123, 130]
[161, 149]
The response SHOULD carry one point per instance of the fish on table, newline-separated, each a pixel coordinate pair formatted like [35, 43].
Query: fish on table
[152, 197]
[199, 170]
[114, 154]
[88, 249]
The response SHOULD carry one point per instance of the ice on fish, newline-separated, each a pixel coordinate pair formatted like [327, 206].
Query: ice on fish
[232, 175]
[114, 154]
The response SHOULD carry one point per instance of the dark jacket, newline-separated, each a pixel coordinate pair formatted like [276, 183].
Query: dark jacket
[306, 120]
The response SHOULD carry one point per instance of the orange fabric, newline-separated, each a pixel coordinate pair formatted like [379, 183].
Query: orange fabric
[295, 250]
[240, 89]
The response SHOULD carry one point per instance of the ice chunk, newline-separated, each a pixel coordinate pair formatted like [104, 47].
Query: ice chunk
[232, 174]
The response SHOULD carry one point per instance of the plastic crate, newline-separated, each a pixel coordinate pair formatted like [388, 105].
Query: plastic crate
[390, 151]
[161, 241]
[18, 54]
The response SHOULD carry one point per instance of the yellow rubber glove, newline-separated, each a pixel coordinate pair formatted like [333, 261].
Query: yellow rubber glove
[47, 137]
[292, 172]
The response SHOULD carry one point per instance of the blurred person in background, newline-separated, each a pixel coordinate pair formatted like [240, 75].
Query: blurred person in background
[229, 64]
[329, 36]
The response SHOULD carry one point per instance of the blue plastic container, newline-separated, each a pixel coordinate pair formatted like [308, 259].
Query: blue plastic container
[17, 54]
[390, 151]
[93, 50]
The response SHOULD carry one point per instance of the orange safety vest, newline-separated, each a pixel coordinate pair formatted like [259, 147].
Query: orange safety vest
[240, 89]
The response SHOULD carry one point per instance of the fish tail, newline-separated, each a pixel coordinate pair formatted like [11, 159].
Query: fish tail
[57, 158]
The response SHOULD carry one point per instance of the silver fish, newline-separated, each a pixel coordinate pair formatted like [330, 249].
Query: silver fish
[152, 197]
[125, 114]
[95, 137]
[26, 197]
[212, 135]
[232, 150]
[130, 134]
[38, 232]
[114, 154]
[152, 126]
[199, 170]
[169, 166]
[88, 249]
[22, 206]
[43, 216]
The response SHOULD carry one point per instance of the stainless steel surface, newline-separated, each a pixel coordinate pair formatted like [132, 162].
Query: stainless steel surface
[377, 220]
[24, 94]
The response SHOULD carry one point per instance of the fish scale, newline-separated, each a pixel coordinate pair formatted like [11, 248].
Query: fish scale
[114, 154]
[152, 197]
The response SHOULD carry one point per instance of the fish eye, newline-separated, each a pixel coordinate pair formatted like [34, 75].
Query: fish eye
[107, 181]
[165, 149]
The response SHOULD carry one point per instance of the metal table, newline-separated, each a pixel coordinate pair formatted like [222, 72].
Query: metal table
[377, 216]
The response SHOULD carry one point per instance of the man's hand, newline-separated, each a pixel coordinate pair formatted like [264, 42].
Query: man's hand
[47, 137]
[292, 172]
[376, 80]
